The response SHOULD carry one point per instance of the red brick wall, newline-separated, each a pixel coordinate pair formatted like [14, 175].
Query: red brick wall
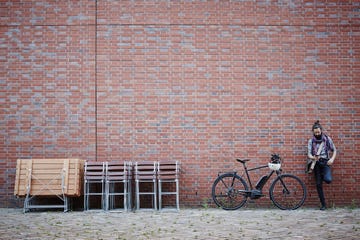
[202, 82]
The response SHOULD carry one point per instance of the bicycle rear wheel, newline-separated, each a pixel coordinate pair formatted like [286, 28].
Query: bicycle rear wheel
[287, 192]
[229, 191]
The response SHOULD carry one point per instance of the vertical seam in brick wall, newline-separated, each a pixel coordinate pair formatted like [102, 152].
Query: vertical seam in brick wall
[96, 72]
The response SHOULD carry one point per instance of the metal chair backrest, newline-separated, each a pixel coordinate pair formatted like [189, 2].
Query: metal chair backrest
[145, 170]
[168, 170]
[94, 171]
[116, 171]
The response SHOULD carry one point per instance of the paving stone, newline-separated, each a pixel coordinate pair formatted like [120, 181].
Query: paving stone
[337, 223]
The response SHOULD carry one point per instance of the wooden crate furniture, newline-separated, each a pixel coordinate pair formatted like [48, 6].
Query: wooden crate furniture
[48, 177]
[168, 173]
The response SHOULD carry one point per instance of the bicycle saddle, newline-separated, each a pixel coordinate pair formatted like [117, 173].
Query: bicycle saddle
[242, 160]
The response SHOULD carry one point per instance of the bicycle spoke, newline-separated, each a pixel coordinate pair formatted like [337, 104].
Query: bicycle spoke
[288, 192]
[225, 185]
[226, 191]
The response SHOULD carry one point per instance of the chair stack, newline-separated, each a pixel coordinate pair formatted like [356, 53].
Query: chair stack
[129, 167]
[168, 173]
[116, 185]
[111, 183]
[94, 184]
[145, 182]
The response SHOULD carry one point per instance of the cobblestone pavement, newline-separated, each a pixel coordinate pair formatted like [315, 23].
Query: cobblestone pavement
[342, 223]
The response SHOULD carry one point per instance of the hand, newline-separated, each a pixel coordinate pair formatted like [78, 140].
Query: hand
[330, 162]
[316, 158]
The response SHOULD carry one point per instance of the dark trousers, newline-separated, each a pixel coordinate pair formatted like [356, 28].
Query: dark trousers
[322, 173]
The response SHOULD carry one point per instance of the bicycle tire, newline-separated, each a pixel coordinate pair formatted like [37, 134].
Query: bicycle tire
[229, 191]
[288, 192]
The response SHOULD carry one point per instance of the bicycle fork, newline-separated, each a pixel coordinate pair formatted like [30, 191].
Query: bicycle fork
[285, 189]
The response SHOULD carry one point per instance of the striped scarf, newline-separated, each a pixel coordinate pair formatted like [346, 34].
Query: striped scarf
[316, 143]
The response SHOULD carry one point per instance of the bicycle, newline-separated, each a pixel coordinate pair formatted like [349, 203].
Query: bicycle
[230, 191]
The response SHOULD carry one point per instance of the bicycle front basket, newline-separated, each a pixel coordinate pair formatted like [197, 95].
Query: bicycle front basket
[274, 166]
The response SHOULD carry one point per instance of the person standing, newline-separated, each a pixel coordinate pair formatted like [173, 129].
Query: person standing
[321, 149]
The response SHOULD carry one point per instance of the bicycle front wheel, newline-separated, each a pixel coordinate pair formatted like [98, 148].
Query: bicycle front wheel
[287, 192]
[229, 191]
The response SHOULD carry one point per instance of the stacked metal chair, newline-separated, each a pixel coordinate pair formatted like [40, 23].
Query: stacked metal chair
[94, 183]
[111, 183]
[168, 173]
[117, 185]
[145, 182]
[129, 167]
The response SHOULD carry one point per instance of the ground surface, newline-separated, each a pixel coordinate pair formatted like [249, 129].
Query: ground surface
[209, 223]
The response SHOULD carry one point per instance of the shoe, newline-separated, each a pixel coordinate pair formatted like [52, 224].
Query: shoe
[323, 208]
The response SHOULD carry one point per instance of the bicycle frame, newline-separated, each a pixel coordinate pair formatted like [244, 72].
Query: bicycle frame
[247, 170]
[230, 190]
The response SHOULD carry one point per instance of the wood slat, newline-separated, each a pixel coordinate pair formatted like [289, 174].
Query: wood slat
[44, 174]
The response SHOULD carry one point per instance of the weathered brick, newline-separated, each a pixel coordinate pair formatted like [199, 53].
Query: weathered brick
[200, 82]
